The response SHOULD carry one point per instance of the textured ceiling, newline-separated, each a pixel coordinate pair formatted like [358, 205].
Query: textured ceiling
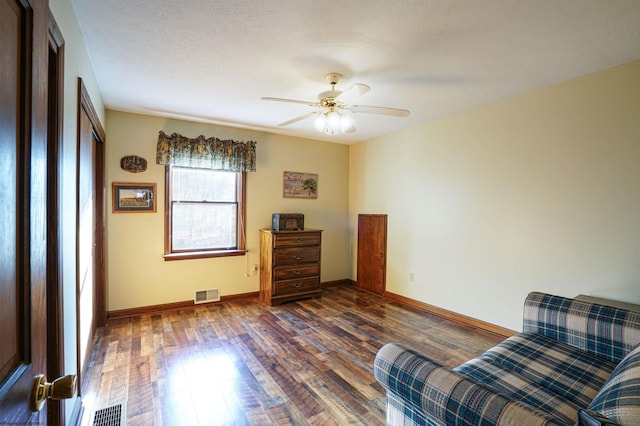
[206, 60]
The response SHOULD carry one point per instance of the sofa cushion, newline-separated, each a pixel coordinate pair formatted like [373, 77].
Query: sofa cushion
[605, 331]
[552, 376]
[619, 398]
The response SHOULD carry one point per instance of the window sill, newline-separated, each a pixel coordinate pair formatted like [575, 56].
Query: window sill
[203, 254]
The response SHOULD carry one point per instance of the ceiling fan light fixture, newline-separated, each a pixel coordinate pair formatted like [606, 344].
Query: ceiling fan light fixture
[332, 122]
[333, 115]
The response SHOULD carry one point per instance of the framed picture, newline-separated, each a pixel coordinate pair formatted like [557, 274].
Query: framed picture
[300, 185]
[133, 197]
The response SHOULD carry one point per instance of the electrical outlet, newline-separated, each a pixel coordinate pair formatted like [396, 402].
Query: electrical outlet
[254, 271]
[411, 276]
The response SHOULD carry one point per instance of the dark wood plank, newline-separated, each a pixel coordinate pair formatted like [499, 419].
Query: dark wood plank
[243, 363]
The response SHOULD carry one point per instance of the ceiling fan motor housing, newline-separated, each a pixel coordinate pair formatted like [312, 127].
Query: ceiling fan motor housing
[327, 99]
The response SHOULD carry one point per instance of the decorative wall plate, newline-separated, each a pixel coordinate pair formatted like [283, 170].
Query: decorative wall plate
[133, 164]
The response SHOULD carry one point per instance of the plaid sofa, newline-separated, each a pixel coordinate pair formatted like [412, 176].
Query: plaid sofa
[575, 362]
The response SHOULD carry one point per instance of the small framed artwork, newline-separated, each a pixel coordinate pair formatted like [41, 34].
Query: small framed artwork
[133, 164]
[133, 197]
[300, 185]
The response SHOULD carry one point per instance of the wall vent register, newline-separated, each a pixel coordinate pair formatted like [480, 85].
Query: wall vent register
[205, 296]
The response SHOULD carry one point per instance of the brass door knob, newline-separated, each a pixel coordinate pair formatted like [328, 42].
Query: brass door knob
[61, 388]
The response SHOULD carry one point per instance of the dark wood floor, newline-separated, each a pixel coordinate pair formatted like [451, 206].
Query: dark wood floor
[243, 363]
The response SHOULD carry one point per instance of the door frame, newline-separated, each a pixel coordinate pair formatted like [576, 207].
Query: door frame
[99, 289]
[55, 306]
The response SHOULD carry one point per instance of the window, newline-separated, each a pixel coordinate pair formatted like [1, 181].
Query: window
[204, 213]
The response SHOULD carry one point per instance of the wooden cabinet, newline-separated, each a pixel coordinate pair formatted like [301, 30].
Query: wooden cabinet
[289, 265]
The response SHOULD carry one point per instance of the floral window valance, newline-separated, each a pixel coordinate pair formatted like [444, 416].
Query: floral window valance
[206, 153]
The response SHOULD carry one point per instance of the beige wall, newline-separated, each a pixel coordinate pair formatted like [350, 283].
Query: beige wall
[538, 192]
[138, 276]
[77, 64]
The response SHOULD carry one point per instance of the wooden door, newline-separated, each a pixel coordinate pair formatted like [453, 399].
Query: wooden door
[23, 205]
[372, 252]
[90, 232]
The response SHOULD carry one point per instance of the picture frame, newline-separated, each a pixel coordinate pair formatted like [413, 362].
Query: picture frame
[300, 185]
[133, 197]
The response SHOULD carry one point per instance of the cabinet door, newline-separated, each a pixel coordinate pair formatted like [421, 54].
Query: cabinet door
[372, 252]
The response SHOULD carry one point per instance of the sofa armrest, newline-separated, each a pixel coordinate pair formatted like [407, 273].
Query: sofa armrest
[604, 331]
[447, 397]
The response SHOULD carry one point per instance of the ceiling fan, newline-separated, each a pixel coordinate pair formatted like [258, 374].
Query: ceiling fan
[334, 108]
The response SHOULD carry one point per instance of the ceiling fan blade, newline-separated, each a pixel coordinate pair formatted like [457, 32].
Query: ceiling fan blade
[291, 101]
[350, 129]
[353, 92]
[299, 118]
[396, 112]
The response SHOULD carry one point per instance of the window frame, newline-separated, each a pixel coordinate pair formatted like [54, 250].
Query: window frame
[240, 250]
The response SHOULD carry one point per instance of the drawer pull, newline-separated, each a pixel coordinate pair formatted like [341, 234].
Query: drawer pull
[297, 272]
[297, 257]
[298, 285]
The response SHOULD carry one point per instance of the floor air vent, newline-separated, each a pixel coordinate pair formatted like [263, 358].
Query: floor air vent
[204, 296]
[110, 416]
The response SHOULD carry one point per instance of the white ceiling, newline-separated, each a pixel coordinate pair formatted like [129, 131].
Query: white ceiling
[212, 60]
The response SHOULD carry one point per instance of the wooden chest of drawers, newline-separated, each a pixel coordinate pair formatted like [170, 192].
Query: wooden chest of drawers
[289, 265]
